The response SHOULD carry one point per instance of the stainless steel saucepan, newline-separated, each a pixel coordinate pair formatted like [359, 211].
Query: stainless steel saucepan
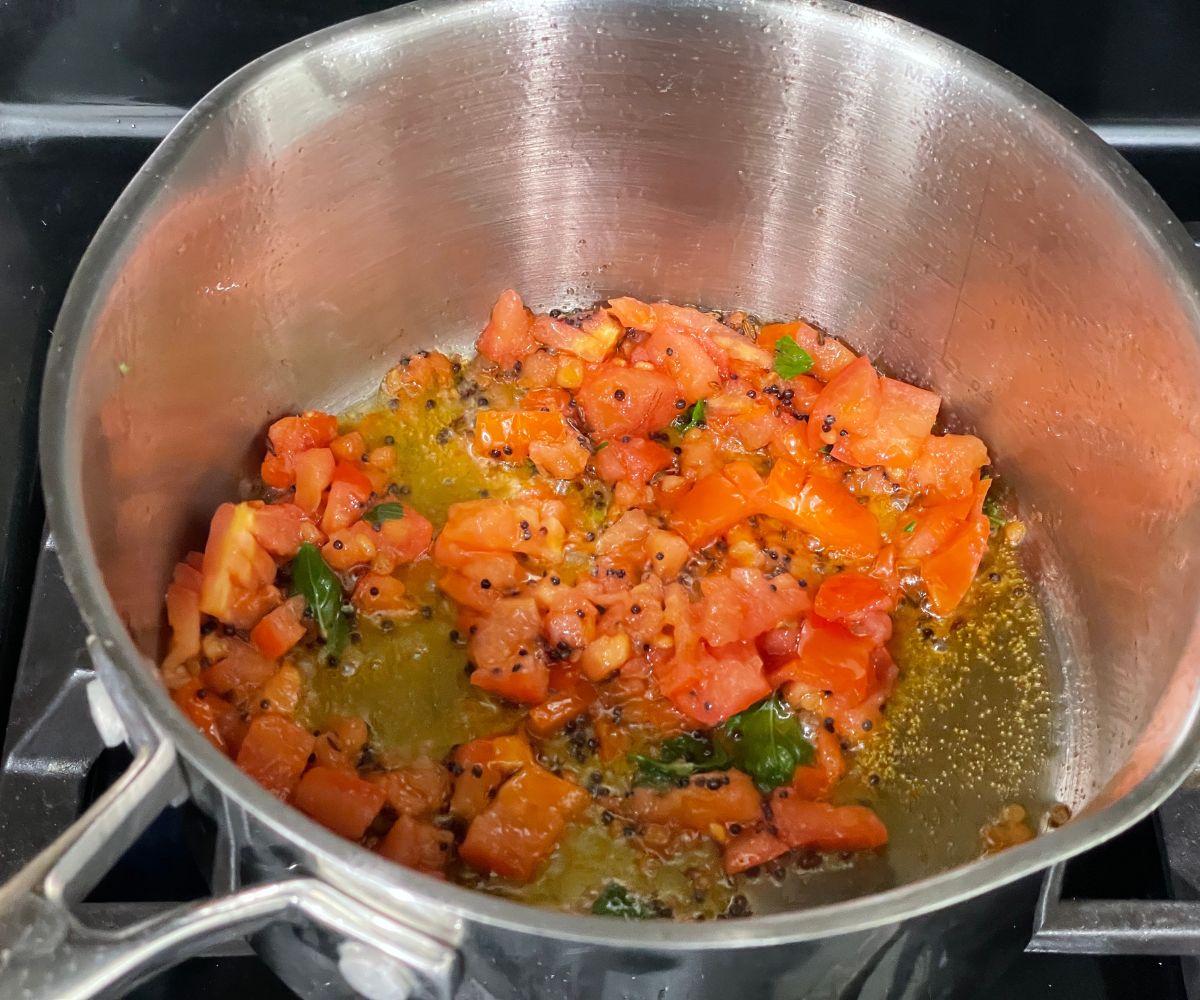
[368, 190]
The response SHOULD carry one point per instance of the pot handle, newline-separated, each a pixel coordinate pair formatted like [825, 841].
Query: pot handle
[46, 951]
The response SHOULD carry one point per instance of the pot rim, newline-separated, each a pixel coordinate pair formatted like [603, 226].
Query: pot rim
[330, 854]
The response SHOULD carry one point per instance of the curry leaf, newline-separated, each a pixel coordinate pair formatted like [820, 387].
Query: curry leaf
[692, 418]
[384, 512]
[767, 742]
[791, 359]
[678, 759]
[322, 592]
[617, 901]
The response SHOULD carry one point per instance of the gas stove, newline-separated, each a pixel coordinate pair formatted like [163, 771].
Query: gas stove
[86, 92]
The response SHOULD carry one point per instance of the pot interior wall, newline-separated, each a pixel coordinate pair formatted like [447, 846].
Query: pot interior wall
[371, 195]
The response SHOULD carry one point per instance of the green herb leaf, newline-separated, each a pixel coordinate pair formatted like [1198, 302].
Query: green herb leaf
[908, 528]
[678, 759]
[322, 592]
[995, 515]
[691, 418]
[767, 742]
[600, 447]
[384, 512]
[617, 901]
[791, 359]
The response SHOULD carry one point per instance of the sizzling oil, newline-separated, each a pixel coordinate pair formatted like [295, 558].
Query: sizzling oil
[967, 730]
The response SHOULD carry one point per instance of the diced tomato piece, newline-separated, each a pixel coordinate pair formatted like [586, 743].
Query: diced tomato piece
[634, 460]
[350, 547]
[291, 436]
[830, 356]
[514, 835]
[819, 825]
[732, 799]
[947, 574]
[280, 528]
[506, 434]
[618, 400]
[716, 503]
[667, 552]
[314, 473]
[605, 655]
[480, 766]
[850, 403]
[281, 693]
[612, 737]
[275, 752]
[948, 465]
[932, 527]
[593, 340]
[348, 495]
[280, 630]
[423, 372]
[402, 540]
[183, 615]
[751, 849]
[238, 572]
[830, 657]
[817, 780]
[823, 507]
[507, 337]
[683, 358]
[339, 800]
[569, 697]
[745, 603]
[417, 844]
[218, 720]
[377, 594]
[906, 416]
[849, 597]
[565, 459]
[499, 526]
[419, 789]
[505, 650]
[241, 670]
[348, 448]
[712, 684]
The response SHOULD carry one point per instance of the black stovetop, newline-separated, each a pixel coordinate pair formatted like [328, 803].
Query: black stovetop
[88, 89]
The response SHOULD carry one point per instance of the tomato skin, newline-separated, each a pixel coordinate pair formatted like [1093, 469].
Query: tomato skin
[906, 416]
[751, 849]
[948, 573]
[817, 780]
[948, 465]
[514, 835]
[275, 753]
[850, 402]
[280, 630]
[417, 844]
[819, 825]
[716, 503]
[830, 356]
[635, 460]
[829, 657]
[618, 400]
[339, 800]
[507, 337]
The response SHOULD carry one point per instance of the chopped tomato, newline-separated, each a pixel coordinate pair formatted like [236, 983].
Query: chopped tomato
[849, 597]
[850, 403]
[745, 603]
[612, 737]
[751, 849]
[715, 504]
[507, 337]
[348, 495]
[906, 416]
[348, 448]
[563, 459]
[514, 835]
[569, 697]
[948, 465]
[495, 525]
[280, 528]
[823, 507]
[339, 800]
[817, 780]
[282, 691]
[830, 356]
[239, 574]
[481, 765]
[314, 473]
[289, 437]
[350, 547]
[275, 752]
[819, 825]
[947, 574]
[593, 340]
[667, 552]
[633, 459]
[423, 372]
[710, 685]
[618, 400]
[605, 655]
[507, 434]
[280, 630]
[378, 594]
[684, 359]
[830, 657]
[931, 527]
[714, 798]
[508, 661]
[417, 844]
[419, 789]
[240, 671]
[183, 615]
[218, 720]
